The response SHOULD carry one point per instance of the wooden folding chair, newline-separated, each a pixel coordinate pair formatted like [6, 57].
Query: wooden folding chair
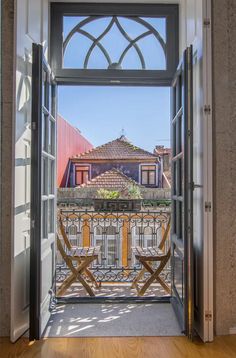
[70, 247]
[148, 256]
[83, 256]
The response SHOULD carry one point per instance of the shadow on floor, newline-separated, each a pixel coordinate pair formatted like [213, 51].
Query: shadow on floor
[114, 320]
[115, 290]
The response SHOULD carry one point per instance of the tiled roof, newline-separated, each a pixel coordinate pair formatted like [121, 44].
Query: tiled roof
[111, 179]
[161, 150]
[119, 148]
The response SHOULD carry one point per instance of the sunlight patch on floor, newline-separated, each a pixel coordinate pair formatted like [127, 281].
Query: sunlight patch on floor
[116, 319]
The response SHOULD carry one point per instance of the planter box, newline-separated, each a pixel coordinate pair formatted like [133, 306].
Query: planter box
[117, 205]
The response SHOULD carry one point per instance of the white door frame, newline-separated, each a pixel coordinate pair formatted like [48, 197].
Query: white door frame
[208, 171]
[208, 159]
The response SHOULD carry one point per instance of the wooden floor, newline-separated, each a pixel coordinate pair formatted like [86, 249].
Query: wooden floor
[158, 347]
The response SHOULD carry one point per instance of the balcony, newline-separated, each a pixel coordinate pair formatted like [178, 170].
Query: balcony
[115, 233]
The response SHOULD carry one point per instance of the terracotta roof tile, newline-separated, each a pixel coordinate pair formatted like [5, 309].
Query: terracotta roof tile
[119, 148]
[111, 179]
[161, 150]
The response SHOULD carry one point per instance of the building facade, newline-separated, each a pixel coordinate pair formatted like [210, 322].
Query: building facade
[70, 142]
[138, 164]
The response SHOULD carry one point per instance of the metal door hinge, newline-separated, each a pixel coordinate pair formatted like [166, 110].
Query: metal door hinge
[208, 206]
[193, 186]
[208, 316]
[207, 22]
[207, 109]
[33, 125]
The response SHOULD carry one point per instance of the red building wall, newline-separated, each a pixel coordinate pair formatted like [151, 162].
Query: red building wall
[69, 143]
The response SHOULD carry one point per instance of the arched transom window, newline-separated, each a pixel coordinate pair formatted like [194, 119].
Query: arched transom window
[114, 42]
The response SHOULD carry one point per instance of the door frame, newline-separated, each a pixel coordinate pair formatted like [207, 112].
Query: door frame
[207, 164]
[208, 257]
[208, 193]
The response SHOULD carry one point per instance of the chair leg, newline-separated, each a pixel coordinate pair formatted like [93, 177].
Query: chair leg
[138, 278]
[76, 274]
[155, 276]
[85, 285]
[66, 284]
[92, 278]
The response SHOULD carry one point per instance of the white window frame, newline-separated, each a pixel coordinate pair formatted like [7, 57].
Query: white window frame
[140, 173]
[81, 165]
[108, 237]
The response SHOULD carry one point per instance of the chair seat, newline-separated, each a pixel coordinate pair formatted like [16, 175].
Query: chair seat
[148, 253]
[83, 252]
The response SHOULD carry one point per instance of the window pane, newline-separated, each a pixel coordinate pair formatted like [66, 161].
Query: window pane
[98, 230]
[51, 177]
[45, 176]
[45, 89]
[51, 137]
[85, 177]
[144, 177]
[148, 167]
[152, 178]
[44, 132]
[78, 178]
[124, 43]
[45, 219]
[51, 216]
[81, 167]
[111, 230]
[82, 175]
[148, 230]
[111, 252]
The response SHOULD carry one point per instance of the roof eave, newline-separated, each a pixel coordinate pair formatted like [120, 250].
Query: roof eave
[133, 160]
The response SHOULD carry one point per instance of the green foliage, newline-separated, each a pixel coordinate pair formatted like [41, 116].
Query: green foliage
[134, 192]
[108, 194]
[131, 191]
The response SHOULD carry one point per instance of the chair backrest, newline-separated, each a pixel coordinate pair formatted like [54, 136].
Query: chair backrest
[64, 235]
[165, 236]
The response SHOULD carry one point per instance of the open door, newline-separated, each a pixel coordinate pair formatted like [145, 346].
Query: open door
[43, 193]
[182, 194]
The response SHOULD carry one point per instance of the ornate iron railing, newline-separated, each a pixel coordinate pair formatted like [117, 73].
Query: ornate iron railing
[87, 204]
[116, 233]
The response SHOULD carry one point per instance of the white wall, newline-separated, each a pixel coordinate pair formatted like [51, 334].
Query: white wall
[31, 26]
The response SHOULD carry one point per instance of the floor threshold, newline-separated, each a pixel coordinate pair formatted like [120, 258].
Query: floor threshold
[74, 300]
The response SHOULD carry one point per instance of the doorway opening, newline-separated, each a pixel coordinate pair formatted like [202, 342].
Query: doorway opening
[119, 144]
[114, 190]
[114, 237]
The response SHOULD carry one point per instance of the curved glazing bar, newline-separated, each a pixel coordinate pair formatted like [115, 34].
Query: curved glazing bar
[149, 30]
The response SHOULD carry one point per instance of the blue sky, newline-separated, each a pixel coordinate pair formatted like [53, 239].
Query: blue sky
[114, 42]
[102, 112]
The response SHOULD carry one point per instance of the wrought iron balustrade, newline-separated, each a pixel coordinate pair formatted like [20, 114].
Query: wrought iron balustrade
[116, 233]
[80, 204]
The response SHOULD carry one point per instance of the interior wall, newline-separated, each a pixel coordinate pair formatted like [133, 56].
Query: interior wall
[7, 40]
[31, 26]
[224, 133]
